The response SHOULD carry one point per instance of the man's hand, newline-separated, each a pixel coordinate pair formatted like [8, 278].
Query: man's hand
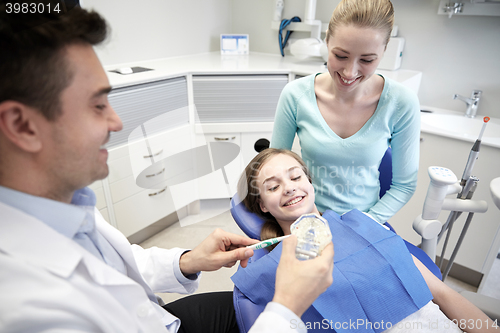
[299, 283]
[219, 249]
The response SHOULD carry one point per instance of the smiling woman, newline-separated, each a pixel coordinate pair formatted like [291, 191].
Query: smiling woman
[347, 117]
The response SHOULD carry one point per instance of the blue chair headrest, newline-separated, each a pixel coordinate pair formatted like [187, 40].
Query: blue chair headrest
[249, 223]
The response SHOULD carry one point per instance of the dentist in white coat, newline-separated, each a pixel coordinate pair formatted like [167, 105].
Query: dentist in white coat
[63, 268]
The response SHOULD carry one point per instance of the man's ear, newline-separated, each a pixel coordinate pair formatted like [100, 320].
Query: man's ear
[262, 207]
[18, 124]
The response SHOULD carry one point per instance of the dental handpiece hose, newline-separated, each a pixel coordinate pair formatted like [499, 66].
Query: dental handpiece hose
[473, 156]
[467, 182]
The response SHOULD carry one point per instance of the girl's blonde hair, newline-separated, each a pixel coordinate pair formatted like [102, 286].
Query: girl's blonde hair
[249, 192]
[374, 14]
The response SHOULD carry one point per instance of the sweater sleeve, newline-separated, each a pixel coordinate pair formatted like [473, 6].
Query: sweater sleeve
[285, 120]
[405, 144]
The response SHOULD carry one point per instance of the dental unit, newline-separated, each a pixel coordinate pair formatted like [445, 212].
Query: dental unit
[444, 182]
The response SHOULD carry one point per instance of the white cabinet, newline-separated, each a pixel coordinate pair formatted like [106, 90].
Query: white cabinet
[237, 98]
[248, 145]
[239, 101]
[221, 182]
[138, 190]
[158, 164]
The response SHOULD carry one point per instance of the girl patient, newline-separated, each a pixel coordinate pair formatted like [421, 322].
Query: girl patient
[376, 284]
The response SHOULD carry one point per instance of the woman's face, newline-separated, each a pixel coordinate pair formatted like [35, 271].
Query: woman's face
[285, 191]
[353, 55]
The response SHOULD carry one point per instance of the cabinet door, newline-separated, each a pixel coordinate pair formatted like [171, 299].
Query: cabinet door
[237, 98]
[222, 182]
[138, 104]
[250, 143]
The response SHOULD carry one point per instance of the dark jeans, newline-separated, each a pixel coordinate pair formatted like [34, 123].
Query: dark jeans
[205, 313]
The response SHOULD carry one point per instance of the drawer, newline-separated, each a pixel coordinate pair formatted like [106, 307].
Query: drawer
[99, 194]
[142, 209]
[117, 152]
[119, 169]
[100, 198]
[127, 187]
[105, 214]
[142, 153]
[213, 185]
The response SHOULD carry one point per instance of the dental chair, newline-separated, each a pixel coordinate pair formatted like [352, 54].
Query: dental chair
[251, 224]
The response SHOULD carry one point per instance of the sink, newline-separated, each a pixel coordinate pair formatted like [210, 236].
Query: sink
[456, 125]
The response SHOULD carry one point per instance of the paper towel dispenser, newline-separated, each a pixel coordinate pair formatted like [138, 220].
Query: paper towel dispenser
[393, 54]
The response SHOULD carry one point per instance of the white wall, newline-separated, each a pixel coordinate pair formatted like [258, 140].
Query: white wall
[455, 55]
[152, 29]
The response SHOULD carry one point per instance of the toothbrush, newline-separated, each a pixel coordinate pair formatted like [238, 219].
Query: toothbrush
[266, 243]
[473, 154]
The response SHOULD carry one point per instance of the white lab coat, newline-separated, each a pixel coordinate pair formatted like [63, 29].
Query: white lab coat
[49, 283]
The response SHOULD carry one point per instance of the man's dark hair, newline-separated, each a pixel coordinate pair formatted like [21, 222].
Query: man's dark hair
[33, 67]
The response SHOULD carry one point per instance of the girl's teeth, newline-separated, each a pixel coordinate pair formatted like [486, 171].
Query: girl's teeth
[293, 201]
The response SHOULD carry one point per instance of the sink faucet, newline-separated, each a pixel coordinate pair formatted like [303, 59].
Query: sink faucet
[472, 102]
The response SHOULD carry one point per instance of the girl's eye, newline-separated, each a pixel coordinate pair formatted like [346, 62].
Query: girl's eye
[367, 61]
[296, 178]
[274, 188]
[340, 57]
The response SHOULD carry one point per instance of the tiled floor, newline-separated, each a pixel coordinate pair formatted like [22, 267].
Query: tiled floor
[187, 234]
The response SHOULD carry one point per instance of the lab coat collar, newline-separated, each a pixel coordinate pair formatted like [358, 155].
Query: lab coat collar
[28, 239]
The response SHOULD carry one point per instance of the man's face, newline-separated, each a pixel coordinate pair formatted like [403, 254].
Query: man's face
[74, 156]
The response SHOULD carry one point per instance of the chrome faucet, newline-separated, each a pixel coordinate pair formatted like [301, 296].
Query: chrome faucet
[472, 102]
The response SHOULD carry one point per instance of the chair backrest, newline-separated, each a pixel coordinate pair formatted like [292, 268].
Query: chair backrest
[385, 172]
[251, 224]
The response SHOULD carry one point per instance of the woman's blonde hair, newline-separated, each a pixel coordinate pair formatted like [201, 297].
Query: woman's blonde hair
[374, 14]
[249, 191]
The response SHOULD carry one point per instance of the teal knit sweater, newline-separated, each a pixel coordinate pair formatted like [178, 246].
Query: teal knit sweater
[345, 171]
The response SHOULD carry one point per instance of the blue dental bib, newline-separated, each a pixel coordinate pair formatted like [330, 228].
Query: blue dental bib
[375, 282]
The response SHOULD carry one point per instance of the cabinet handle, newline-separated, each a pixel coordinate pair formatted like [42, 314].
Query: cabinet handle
[155, 174]
[422, 140]
[224, 139]
[156, 193]
[152, 155]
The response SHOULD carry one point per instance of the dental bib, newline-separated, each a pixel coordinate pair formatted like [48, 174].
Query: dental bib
[375, 282]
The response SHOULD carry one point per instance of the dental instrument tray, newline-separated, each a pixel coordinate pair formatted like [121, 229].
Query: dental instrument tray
[313, 234]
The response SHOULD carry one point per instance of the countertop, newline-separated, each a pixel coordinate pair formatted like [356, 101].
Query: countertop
[214, 63]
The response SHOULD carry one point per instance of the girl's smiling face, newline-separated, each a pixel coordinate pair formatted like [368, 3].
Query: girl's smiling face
[285, 190]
